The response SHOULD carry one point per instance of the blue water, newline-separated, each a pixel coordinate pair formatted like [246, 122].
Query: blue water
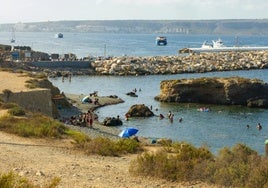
[97, 44]
[223, 126]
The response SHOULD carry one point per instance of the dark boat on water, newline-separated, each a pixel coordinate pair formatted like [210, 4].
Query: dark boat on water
[59, 35]
[161, 41]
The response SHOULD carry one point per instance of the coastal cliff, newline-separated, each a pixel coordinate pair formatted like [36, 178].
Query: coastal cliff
[34, 93]
[226, 91]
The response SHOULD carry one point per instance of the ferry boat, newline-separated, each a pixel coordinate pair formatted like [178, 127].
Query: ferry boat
[59, 35]
[161, 41]
[215, 44]
[218, 46]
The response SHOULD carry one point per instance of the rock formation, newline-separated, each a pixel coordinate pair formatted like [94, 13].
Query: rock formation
[112, 121]
[139, 110]
[226, 91]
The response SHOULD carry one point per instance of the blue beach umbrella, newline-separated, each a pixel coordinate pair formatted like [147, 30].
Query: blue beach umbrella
[127, 132]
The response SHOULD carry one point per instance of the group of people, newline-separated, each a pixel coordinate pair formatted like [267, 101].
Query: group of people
[83, 120]
[259, 126]
[170, 116]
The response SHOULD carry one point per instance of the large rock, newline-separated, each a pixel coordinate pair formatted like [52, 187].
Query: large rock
[233, 90]
[112, 121]
[139, 110]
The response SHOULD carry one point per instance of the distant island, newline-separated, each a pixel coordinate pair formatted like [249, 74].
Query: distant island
[216, 27]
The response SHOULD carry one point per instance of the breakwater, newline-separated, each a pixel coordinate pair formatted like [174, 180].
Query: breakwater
[62, 64]
[192, 63]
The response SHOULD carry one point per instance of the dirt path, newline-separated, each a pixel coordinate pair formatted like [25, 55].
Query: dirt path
[41, 160]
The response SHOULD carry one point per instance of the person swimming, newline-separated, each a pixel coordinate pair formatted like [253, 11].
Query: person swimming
[259, 127]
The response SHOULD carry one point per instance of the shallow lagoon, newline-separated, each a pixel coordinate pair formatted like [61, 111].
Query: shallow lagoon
[222, 126]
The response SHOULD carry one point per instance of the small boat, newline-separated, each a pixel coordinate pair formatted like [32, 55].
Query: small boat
[218, 43]
[161, 41]
[59, 35]
[206, 45]
[12, 40]
[215, 44]
[218, 46]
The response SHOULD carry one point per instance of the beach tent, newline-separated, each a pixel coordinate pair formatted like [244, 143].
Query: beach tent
[86, 99]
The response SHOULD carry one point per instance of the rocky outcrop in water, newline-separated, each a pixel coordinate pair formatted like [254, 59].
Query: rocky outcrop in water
[226, 91]
[139, 110]
[112, 121]
[192, 63]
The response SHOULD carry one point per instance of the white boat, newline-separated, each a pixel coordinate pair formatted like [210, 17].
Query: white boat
[215, 44]
[218, 46]
[12, 40]
[218, 43]
[206, 45]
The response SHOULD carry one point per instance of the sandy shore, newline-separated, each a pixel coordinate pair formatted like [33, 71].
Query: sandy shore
[79, 107]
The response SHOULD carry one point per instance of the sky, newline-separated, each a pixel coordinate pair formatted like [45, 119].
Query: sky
[15, 11]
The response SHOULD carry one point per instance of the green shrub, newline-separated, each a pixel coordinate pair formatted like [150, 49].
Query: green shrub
[232, 167]
[11, 180]
[35, 126]
[177, 165]
[80, 138]
[127, 146]
[107, 147]
[239, 166]
[259, 174]
[101, 146]
[16, 111]
[8, 105]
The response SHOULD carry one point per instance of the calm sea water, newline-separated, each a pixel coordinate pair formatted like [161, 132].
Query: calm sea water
[96, 44]
[223, 126]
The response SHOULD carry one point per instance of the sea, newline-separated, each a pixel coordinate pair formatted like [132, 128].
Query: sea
[223, 126]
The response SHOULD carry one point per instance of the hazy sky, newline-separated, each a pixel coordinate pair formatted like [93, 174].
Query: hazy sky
[13, 11]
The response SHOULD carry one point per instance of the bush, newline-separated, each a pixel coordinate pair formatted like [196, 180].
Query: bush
[177, 165]
[17, 111]
[107, 147]
[239, 166]
[128, 146]
[11, 180]
[35, 126]
[8, 105]
[101, 146]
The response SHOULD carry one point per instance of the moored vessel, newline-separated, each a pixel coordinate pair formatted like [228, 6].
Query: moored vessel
[161, 41]
[59, 35]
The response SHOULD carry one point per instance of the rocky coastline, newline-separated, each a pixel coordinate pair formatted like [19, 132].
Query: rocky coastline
[191, 63]
[156, 65]
[223, 91]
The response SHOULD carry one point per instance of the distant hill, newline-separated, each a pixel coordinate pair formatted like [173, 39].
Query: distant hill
[223, 27]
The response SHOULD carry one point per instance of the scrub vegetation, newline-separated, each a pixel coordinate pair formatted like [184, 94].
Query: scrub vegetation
[12, 180]
[239, 166]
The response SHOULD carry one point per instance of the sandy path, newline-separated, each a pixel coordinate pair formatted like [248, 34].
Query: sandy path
[13, 81]
[40, 160]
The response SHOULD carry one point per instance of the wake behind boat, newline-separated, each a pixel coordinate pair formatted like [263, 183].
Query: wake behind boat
[218, 46]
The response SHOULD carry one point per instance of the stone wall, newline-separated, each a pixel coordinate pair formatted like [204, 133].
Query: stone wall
[34, 100]
[62, 64]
